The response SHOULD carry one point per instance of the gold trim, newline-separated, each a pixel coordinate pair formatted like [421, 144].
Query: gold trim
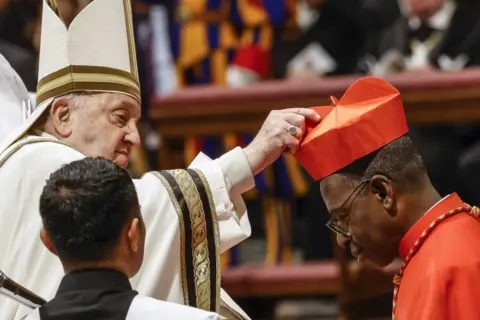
[23, 142]
[216, 231]
[199, 232]
[87, 78]
[54, 6]
[86, 69]
[182, 235]
[89, 86]
[201, 263]
[130, 37]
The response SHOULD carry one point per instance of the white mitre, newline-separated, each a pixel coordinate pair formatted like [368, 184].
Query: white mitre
[14, 99]
[96, 53]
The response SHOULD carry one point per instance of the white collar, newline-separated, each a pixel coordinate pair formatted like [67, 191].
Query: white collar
[44, 135]
[439, 21]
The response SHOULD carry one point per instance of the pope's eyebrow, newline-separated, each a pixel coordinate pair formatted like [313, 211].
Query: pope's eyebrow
[131, 108]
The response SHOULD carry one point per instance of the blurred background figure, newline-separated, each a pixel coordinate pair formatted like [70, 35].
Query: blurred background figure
[200, 61]
[18, 43]
[423, 36]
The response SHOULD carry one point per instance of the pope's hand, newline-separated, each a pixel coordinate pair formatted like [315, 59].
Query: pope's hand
[282, 130]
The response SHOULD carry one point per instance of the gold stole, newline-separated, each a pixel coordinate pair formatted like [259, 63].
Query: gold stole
[199, 237]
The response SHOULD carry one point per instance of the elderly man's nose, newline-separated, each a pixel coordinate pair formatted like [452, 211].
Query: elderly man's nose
[342, 241]
[133, 136]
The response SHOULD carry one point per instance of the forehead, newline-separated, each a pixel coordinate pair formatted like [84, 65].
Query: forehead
[121, 100]
[109, 101]
[335, 189]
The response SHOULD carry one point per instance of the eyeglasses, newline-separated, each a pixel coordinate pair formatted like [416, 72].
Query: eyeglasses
[339, 223]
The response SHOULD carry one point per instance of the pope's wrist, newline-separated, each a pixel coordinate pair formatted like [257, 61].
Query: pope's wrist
[255, 158]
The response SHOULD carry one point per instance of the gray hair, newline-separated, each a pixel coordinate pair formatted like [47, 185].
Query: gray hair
[74, 98]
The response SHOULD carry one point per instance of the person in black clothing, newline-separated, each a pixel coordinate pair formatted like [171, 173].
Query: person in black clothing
[330, 42]
[91, 221]
[433, 34]
[17, 25]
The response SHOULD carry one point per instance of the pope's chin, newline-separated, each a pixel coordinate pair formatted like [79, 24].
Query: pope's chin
[121, 159]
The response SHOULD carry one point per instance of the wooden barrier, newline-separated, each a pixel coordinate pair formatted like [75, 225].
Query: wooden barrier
[299, 280]
[433, 97]
[312, 278]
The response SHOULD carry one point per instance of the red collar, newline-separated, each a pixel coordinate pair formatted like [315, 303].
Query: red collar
[448, 203]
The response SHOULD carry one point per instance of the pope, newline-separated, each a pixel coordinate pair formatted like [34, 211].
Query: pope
[383, 204]
[88, 104]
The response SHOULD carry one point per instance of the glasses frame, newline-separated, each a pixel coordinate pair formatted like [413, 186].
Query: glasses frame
[334, 223]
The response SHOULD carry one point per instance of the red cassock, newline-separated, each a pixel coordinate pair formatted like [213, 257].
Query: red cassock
[442, 281]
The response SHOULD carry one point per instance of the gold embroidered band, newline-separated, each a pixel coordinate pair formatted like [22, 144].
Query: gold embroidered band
[54, 6]
[23, 142]
[199, 237]
[87, 78]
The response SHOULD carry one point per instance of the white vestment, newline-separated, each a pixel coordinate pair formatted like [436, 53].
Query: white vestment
[146, 308]
[25, 260]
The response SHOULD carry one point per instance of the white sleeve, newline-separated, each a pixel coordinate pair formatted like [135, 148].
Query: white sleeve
[229, 177]
[175, 253]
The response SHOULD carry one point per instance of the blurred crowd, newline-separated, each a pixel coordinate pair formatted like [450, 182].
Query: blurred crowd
[235, 43]
[238, 42]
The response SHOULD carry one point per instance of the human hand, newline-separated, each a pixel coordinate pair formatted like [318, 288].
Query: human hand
[282, 130]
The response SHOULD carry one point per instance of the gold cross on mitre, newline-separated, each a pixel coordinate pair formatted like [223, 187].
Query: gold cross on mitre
[95, 53]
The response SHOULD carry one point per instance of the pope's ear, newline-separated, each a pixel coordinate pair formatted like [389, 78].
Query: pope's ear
[61, 116]
[46, 241]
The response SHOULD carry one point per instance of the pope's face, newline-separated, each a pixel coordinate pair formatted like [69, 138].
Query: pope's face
[366, 225]
[105, 125]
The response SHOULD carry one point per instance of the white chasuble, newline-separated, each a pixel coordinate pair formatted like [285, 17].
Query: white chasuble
[191, 216]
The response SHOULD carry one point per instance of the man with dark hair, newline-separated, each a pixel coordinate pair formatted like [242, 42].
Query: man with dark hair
[382, 204]
[92, 222]
[396, 163]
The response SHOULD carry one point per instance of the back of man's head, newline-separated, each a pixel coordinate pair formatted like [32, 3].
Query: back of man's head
[89, 210]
